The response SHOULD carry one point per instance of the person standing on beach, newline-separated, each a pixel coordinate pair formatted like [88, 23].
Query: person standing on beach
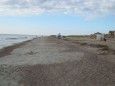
[105, 39]
[59, 36]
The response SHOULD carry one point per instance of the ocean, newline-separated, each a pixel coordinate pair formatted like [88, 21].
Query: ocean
[11, 39]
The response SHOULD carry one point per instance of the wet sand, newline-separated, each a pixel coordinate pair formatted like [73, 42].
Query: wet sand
[7, 50]
[54, 62]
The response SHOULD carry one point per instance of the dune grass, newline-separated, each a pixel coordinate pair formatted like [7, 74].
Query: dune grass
[101, 46]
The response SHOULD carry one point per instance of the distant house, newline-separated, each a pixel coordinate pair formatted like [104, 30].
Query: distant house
[99, 36]
[112, 33]
[98, 33]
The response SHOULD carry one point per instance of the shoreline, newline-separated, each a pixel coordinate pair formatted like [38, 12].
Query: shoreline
[7, 50]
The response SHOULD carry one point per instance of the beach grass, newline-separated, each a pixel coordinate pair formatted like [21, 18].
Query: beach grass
[87, 41]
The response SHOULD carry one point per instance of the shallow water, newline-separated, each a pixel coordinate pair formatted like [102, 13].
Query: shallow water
[10, 39]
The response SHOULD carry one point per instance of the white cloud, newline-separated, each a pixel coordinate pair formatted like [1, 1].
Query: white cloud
[86, 8]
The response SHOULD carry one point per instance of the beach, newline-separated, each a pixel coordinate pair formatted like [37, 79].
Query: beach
[48, 61]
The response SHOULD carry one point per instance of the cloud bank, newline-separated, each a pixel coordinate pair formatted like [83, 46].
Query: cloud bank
[86, 8]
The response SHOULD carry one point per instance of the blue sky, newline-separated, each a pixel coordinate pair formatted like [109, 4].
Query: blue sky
[69, 17]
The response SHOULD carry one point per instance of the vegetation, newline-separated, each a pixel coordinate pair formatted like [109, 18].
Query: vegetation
[93, 36]
[80, 40]
[109, 36]
[78, 36]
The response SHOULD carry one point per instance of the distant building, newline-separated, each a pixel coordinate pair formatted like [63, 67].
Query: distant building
[99, 36]
[97, 33]
[112, 33]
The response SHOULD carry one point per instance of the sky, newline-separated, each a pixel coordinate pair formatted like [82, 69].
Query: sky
[50, 17]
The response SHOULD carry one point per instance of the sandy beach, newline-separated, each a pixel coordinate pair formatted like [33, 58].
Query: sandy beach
[49, 61]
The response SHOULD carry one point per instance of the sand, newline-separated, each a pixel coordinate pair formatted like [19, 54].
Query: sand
[49, 61]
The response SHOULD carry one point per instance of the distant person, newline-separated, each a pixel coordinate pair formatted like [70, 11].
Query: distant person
[59, 36]
[105, 39]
